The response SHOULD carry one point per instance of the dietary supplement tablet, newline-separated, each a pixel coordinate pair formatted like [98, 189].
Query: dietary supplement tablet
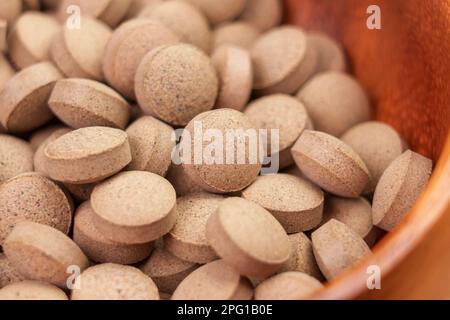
[6, 71]
[39, 160]
[8, 274]
[23, 100]
[295, 202]
[248, 238]
[134, 207]
[287, 286]
[331, 56]
[263, 14]
[87, 155]
[32, 290]
[181, 181]
[337, 248]
[32, 197]
[187, 239]
[331, 164]
[399, 188]
[175, 83]
[16, 157]
[219, 11]
[214, 281]
[239, 34]
[115, 282]
[42, 253]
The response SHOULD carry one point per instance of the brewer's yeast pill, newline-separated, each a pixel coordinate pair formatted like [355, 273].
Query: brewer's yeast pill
[167, 270]
[87, 155]
[33, 197]
[39, 136]
[287, 286]
[16, 157]
[331, 164]
[263, 14]
[32, 290]
[134, 207]
[337, 248]
[238, 34]
[283, 60]
[83, 103]
[219, 11]
[185, 20]
[42, 253]
[39, 159]
[181, 181]
[137, 6]
[335, 102]
[115, 282]
[78, 52]
[23, 100]
[187, 239]
[248, 238]
[378, 152]
[295, 202]
[302, 257]
[355, 213]
[30, 38]
[235, 72]
[283, 113]
[331, 55]
[100, 249]
[222, 173]
[8, 274]
[398, 189]
[152, 142]
[126, 48]
[214, 281]
[175, 83]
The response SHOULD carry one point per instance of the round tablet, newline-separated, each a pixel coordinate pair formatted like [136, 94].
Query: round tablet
[377, 144]
[23, 100]
[100, 249]
[187, 239]
[263, 14]
[240, 34]
[115, 282]
[87, 155]
[219, 11]
[176, 83]
[30, 38]
[167, 270]
[222, 171]
[287, 286]
[235, 71]
[295, 202]
[39, 136]
[48, 253]
[214, 281]
[283, 113]
[181, 181]
[10, 10]
[335, 102]
[16, 157]
[355, 213]
[152, 142]
[39, 159]
[330, 53]
[6, 72]
[109, 11]
[399, 188]
[126, 48]
[33, 197]
[83, 103]
[78, 52]
[32, 290]
[337, 248]
[248, 238]
[331, 164]
[80, 192]
[302, 257]
[185, 20]
[8, 274]
[283, 60]
[134, 207]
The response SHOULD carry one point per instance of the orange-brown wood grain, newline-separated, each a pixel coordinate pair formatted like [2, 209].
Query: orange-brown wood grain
[405, 67]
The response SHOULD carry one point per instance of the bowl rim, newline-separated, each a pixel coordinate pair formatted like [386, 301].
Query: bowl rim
[398, 244]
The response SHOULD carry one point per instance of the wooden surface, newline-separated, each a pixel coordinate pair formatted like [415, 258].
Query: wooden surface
[405, 67]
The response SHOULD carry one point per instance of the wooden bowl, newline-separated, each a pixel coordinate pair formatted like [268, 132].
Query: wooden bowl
[405, 67]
